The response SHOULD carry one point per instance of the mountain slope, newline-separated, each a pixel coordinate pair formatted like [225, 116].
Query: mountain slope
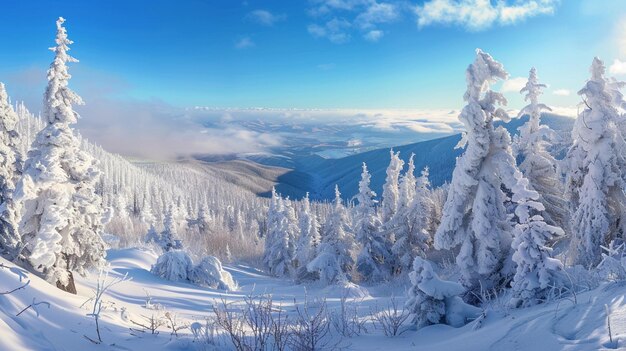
[437, 154]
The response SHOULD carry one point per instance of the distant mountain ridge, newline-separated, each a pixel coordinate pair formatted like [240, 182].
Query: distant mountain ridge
[439, 155]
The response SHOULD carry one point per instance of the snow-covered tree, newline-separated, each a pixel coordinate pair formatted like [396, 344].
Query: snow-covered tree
[373, 261]
[412, 224]
[204, 219]
[308, 242]
[168, 239]
[536, 269]
[435, 301]
[175, 265]
[210, 273]
[62, 215]
[10, 172]
[152, 236]
[537, 164]
[474, 215]
[595, 168]
[391, 191]
[334, 260]
[280, 242]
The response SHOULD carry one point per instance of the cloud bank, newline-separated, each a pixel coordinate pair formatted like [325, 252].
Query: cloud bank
[476, 15]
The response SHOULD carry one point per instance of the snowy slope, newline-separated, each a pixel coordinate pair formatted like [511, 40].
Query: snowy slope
[556, 326]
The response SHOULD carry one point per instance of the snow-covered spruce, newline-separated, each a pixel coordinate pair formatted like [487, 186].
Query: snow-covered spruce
[168, 240]
[210, 273]
[391, 188]
[537, 272]
[10, 172]
[280, 243]
[596, 164]
[435, 301]
[537, 164]
[174, 265]
[413, 223]
[152, 236]
[373, 261]
[177, 266]
[334, 260]
[474, 215]
[308, 242]
[62, 215]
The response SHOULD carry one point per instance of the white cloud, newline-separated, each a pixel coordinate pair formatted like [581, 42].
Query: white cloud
[514, 84]
[244, 43]
[562, 92]
[337, 20]
[265, 17]
[377, 13]
[374, 35]
[335, 30]
[618, 67]
[156, 130]
[478, 15]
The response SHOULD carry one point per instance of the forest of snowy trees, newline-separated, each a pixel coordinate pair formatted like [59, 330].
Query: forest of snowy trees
[516, 221]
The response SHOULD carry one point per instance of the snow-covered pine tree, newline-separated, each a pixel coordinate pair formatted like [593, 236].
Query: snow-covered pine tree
[10, 172]
[432, 300]
[204, 219]
[537, 272]
[412, 224]
[281, 238]
[168, 239]
[147, 216]
[274, 217]
[537, 164]
[474, 215]
[391, 191]
[334, 260]
[308, 242]
[374, 260]
[62, 215]
[595, 168]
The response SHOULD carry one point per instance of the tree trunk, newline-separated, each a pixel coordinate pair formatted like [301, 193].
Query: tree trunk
[70, 287]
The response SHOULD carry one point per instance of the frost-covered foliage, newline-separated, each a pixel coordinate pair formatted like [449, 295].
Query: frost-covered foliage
[282, 232]
[209, 272]
[308, 242]
[537, 272]
[391, 188]
[175, 265]
[152, 237]
[414, 220]
[537, 164]
[334, 260]
[10, 171]
[595, 168]
[373, 261]
[168, 240]
[62, 215]
[474, 215]
[435, 301]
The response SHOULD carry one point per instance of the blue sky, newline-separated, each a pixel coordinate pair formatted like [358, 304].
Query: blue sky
[306, 54]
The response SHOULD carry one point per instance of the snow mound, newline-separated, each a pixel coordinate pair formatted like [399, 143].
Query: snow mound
[210, 273]
[349, 290]
[173, 265]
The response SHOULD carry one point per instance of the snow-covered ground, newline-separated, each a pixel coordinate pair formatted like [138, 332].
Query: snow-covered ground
[63, 326]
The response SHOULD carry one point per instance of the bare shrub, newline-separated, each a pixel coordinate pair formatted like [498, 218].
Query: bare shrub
[346, 320]
[391, 318]
[310, 330]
